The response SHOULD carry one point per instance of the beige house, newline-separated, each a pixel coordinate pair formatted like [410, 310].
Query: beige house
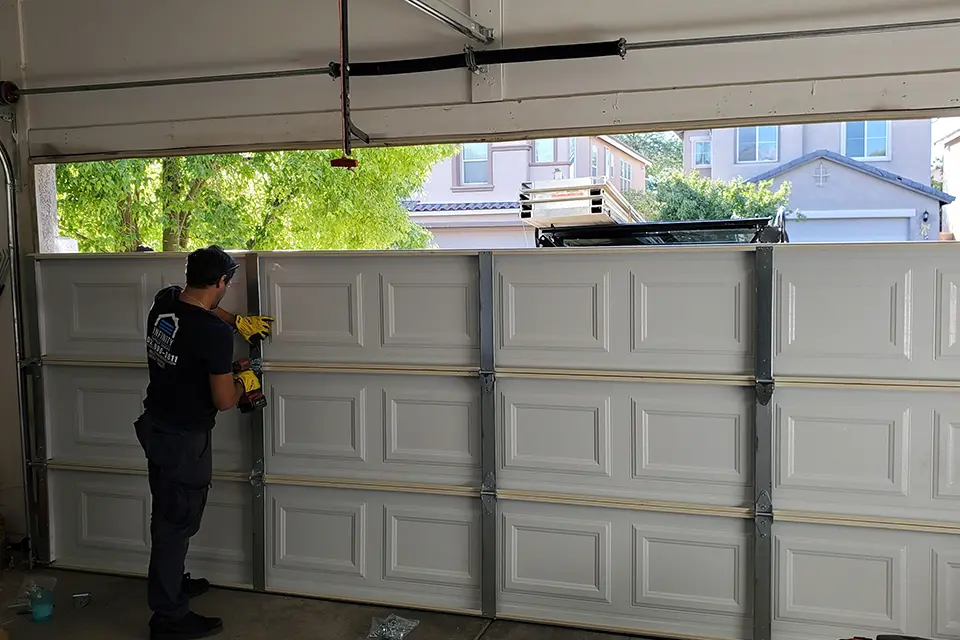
[471, 199]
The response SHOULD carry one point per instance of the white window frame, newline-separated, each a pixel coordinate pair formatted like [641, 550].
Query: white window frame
[889, 140]
[553, 151]
[693, 152]
[486, 159]
[594, 161]
[626, 176]
[608, 163]
[757, 160]
[573, 157]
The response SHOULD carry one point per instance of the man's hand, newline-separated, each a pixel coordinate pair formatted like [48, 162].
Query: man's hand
[248, 379]
[250, 326]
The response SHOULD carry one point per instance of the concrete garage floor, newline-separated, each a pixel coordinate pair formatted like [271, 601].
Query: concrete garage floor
[118, 611]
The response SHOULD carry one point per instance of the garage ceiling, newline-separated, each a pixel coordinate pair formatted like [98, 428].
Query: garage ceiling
[48, 42]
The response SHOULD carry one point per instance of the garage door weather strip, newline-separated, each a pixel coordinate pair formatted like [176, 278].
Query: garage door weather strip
[10, 93]
[763, 452]
[488, 441]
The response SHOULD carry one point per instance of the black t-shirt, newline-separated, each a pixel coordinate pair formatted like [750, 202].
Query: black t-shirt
[186, 344]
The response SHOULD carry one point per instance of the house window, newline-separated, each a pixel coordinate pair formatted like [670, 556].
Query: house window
[573, 157]
[475, 164]
[757, 144]
[626, 175]
[867, 140]
[544, 151]
[594, 161]
[702, 153]
[608, 165]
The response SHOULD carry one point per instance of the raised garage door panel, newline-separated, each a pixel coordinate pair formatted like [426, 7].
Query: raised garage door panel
[665, 573]
[101, 521]
[892, 454]
[380, 546]
[670, 442]
[415, 429]
[91, 411]
[840, 581]
[870, 312]
[409, 310]
[680, 312]
[96, 307]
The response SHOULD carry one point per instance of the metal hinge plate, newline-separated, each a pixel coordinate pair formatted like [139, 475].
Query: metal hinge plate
[765, 390]
[764, 504]
[487, 382]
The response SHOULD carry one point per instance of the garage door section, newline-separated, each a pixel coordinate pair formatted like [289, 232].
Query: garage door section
[625, 439]
[865, 460]
[93, 313]
[373, 428]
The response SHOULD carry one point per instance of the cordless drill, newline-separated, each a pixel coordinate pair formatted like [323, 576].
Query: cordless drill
[254, 399]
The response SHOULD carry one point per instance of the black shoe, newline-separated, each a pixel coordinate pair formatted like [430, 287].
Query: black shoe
[190, 627]
[193, 587]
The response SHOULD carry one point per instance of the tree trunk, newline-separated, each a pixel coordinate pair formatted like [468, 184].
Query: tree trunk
[129, 226]
[171, 194]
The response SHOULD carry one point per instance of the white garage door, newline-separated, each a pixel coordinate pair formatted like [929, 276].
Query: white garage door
[887, 226]
[634, 475]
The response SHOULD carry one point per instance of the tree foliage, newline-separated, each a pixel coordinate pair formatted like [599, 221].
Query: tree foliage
[664, 150]
[690, 196]
[267, 200]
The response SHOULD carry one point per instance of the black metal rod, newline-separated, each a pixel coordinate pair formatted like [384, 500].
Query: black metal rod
[503, 56]
[493, 57]
[345, 78]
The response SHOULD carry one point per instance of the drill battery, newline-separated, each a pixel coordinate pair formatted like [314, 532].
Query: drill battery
[252, 400]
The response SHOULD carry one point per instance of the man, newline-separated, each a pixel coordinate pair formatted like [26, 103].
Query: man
[190, 357]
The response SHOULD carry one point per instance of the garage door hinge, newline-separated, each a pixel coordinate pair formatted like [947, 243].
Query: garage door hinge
[31, 366]
[256, 474]
[487, 381]
[488, 494]
[765, 391]
[764, 504]
[763, 526]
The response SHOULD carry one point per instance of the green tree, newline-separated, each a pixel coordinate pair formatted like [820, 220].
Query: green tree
[266, 200]
[664, 150]
[691, 196]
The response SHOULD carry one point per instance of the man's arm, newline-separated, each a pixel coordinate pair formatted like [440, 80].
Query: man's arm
[226, 316]
[226, 391]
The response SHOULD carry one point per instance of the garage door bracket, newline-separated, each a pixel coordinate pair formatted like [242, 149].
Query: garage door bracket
[256, 476]
[488, 494]
[455, 19]
[765, 390]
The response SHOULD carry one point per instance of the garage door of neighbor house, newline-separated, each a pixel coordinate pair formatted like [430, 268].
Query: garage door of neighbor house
[852, 226]
[571, 436]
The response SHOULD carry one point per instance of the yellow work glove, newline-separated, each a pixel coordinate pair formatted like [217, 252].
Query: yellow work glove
[248, 379]
[249, 326]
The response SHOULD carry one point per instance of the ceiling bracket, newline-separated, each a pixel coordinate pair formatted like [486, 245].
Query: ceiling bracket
[455, 19]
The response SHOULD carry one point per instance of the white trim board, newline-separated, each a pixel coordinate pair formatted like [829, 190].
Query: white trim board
[842, 214]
